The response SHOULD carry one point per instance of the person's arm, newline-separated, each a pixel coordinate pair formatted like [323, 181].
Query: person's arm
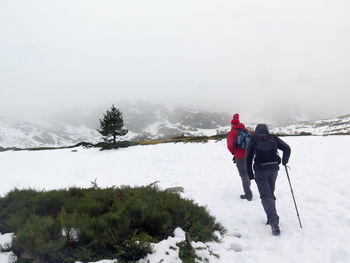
[281, 145]
[231, 141]
[249, 158]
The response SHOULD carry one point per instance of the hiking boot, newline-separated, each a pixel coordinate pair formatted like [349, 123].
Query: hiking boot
[275, 229]
[245, 197]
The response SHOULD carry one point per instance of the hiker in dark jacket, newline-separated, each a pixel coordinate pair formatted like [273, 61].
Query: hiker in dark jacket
[239, 156]
[263, 148]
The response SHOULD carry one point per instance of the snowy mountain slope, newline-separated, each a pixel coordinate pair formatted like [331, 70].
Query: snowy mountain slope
[26, 134]
[145, 122]
[339, 125]
[319, 174]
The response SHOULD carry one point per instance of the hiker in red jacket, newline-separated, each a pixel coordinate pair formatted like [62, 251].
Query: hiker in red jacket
[239, 156]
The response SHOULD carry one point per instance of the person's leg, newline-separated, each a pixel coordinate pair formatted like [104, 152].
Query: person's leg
[272, 181]
[265, 180]
[242, 170]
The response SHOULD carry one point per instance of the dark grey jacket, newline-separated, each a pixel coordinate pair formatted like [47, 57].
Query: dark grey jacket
[262, 131]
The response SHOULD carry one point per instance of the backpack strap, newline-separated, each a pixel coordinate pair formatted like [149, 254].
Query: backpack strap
[235, 143]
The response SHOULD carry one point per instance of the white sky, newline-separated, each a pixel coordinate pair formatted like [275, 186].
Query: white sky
[249, 56]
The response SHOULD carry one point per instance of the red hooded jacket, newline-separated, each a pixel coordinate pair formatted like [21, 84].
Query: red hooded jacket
[232, 139]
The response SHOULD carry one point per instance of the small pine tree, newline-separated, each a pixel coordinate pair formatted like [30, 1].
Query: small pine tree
[112, 124]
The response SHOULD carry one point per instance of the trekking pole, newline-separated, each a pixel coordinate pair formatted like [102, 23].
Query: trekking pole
[291, 189]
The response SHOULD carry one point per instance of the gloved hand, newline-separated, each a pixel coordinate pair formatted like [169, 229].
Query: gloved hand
[284, 162]
[251, 175]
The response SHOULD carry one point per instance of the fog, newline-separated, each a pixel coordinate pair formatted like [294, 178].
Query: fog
[268, 60]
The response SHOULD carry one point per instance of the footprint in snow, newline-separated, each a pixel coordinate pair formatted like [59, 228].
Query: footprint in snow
[235, 247]
[235, 234]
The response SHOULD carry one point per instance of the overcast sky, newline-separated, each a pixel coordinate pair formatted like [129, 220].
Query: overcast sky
[263, 59]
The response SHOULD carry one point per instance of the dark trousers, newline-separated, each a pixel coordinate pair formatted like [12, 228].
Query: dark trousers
[242, 170]
[265, 180]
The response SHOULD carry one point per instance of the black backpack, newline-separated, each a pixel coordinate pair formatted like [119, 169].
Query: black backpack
[266, 150]
[243, 137]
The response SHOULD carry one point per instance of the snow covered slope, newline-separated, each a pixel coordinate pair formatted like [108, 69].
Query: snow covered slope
[319, 174]
[25, 134]
[145, 122]
[339, 125]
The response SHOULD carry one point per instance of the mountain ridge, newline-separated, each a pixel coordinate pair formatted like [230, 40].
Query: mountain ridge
[146, 122]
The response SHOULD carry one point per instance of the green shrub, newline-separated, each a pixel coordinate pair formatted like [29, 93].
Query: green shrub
[186, 253]
[39, 240]
[135, 248]
[116, 145]
[92, 224]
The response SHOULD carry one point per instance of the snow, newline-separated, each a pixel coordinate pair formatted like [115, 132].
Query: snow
[318, 127]
[39, 134]
[319, 172]
[5, 241]
[153, 128]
